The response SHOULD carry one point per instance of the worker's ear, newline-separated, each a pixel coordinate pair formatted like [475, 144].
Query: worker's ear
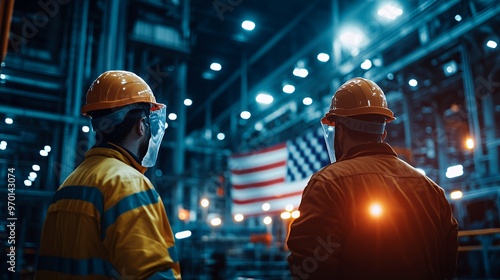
[140, 126]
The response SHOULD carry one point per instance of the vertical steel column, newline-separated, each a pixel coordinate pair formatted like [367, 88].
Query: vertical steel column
[180, 149]
[112, 42]
[77, 46]
[442, 144]
[490, 132]
[472, 110]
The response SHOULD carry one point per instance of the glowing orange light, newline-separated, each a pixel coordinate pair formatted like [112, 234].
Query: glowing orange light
[469, 143]
[456, 195]
[376, 210]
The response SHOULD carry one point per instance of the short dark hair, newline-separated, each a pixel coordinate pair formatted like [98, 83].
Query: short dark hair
[116, 134]
[370, 137]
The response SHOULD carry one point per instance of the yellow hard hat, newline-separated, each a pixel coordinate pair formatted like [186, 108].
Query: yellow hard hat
[116, 88]
[358, 96]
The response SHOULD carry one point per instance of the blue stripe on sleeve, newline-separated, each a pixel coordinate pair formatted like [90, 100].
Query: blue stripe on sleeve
[92, 266]
[88, 194]
[163, 275]
[127, 203]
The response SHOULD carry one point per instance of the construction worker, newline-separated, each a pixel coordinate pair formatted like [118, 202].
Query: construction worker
[107, 221]
[369, 215]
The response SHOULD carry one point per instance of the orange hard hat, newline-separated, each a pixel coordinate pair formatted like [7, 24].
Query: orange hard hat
[358, 96]
[116, 88]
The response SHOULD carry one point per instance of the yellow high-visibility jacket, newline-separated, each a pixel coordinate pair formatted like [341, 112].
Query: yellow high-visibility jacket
[107, 221]
[373, 216]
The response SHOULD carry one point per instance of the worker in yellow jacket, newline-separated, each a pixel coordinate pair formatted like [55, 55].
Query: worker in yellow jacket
[370, 215]
[107, 220]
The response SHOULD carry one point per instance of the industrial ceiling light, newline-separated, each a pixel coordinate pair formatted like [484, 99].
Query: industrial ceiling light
[188, 102]
[450, 68]
[9, 121]
[172, 116]
[85, 129]
[248, 25]
[413, 82]
[300, 69]
[390, 11]
[491, 44]
[458, 18]
[307, 101]
[264, 98]
[215, 66]
[221, 136]
[323, 57]
[367, 64]
[245, 115]
[288, 88]
[454, 171]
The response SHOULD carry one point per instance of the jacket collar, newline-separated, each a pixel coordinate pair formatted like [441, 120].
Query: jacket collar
[369, 149]
[115, 151]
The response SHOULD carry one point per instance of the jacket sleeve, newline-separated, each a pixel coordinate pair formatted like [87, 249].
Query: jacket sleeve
[138, 237]
[315, 237]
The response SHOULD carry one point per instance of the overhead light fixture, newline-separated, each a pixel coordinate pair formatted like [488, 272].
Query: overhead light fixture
[307, 101]
[44, 153]
[9, 121]
[413, 82]
[288, 88]
[456, 195]
[450, 68]
[216, 222]
[3, 76]
[35, 167]
[353, 38]
[239, 217]
[390, 76]
[289, 207]
[245, 115]
[47, 148]
[323, 57]
[188, 102]
[367, 64]
[221, 136]
[33, 175]
[85, 129]
[491, 44]
[390, 11]
[215, 66]
[286, 215]
[454, 171]
[264, 98]
[3, 145]
[248, 25]
[27, 183]
[458, 18]
[267, 220]
[300, 69]
[183, 234]
[266, 206]
[172, 116]
[469, 143]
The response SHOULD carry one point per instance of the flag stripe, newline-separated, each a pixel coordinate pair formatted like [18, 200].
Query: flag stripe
[266, 150]
[276, 190]
[259, 168]
[260, 184]
[258, 177]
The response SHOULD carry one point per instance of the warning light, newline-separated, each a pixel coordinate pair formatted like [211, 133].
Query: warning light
[376, 210]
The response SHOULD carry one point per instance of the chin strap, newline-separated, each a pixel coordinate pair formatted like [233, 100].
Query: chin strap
[362, 126]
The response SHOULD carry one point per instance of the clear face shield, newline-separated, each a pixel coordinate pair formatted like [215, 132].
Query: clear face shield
[157, 121]
[329, 134]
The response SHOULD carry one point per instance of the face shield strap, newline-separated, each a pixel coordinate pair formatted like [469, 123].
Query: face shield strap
[113, 119]
[362, 126]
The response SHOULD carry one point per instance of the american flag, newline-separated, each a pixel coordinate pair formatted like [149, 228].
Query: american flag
[276, 175]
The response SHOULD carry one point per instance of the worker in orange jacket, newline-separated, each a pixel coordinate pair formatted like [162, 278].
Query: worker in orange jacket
[370, 215]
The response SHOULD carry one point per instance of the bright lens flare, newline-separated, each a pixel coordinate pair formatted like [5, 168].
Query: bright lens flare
[376, 210]
[469, 143]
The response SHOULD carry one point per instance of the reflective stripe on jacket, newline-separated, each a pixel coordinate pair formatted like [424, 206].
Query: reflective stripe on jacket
[373, 216]
[107, 221]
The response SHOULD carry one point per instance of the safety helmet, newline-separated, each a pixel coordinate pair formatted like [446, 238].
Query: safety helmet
[116, 88]
[358, 96]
